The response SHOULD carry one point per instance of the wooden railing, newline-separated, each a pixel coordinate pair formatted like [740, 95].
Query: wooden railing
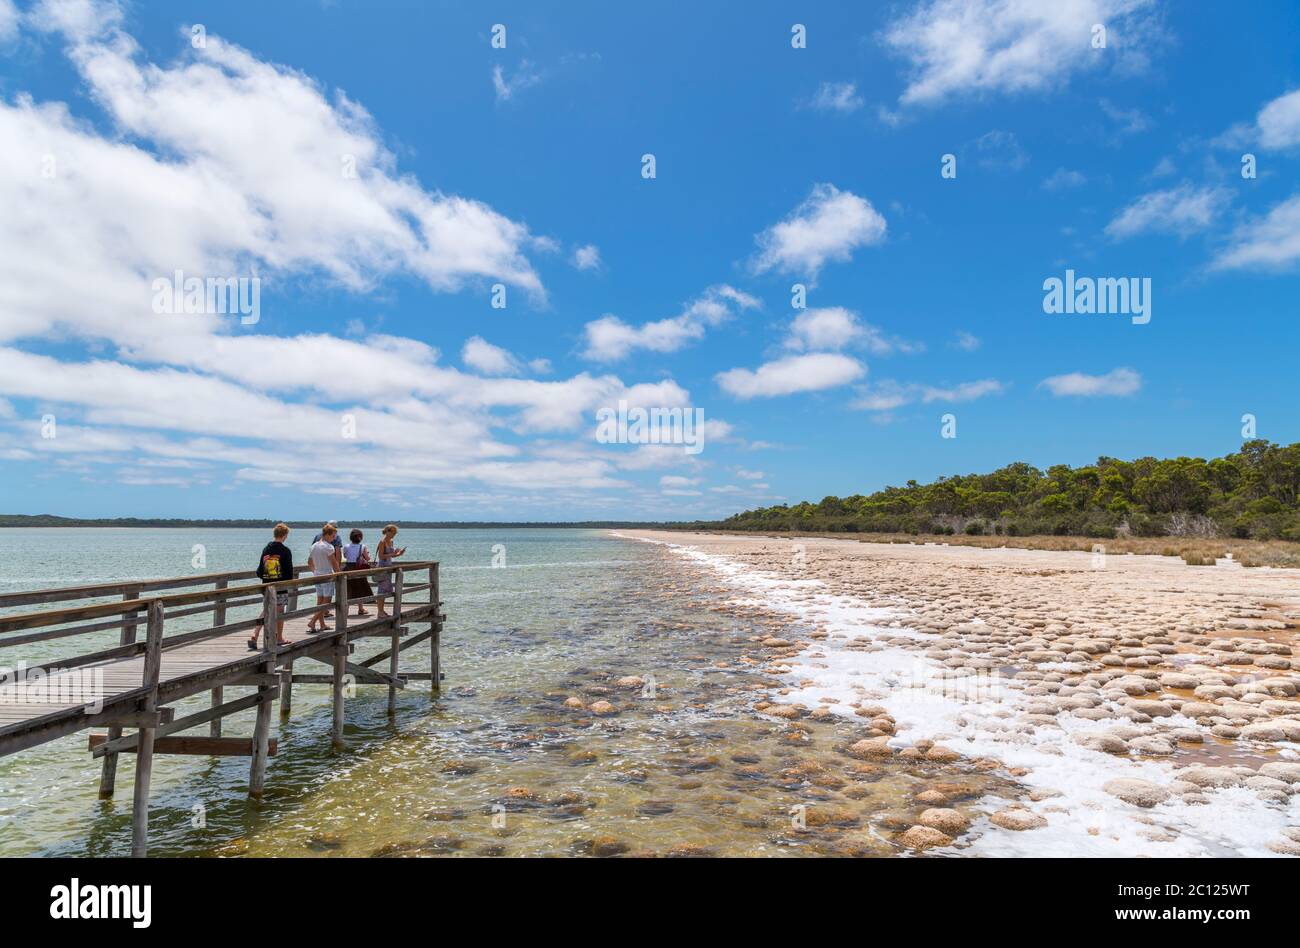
[269, 668]
[126, 614]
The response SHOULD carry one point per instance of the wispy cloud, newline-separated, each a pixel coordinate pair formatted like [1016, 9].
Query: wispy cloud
[834, 327]
[1276, 126]
[837, 97]
[1181, 211]
[1063, 178]
[586, 257]
[1117, 382]
[508, 86]
[609, 339]
[1127, 121]
[803, 373]
[1270, 242]
[1000, 151]
[887, 395]
[8, 20]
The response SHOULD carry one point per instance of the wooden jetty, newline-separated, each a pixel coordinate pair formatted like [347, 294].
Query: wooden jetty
[133, 686]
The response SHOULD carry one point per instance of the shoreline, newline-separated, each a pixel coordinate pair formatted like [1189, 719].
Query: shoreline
[1145, 707]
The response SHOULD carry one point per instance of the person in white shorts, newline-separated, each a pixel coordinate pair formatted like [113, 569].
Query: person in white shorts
[323, 560]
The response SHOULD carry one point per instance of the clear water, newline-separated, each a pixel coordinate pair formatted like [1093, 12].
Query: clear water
[497, 765]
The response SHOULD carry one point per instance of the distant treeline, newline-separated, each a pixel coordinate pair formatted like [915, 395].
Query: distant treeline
[1254, 494]
[50, 520]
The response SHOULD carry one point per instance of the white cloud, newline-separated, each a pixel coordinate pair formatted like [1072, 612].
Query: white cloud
[1276, 126]
[828, 226]
[886, 395]
[967, 341]
[1130, 121]
[587, 257]
[221, 164]
[674, 485]
[1182, 211]
[1063, 178]
[525, 77]
[482, 356]
[750, 475]
[834, 327]
[1164, 167]
[8, 20]
[831, 327]
[957, 47]
[1000, 151]
[837, 97]
[1119, 382]
[254, 182]
[1279, 122]
[609, 339]
[1271, 242]
[804, 373]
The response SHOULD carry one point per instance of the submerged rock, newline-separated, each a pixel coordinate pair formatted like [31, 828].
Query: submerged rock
[1141, 793]
[1017, 819]
[951, 822]
[924, 837]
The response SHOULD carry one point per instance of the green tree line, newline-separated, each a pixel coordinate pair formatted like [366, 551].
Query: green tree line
[1254, 493]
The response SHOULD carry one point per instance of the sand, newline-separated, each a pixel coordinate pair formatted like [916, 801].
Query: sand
[1143, 706]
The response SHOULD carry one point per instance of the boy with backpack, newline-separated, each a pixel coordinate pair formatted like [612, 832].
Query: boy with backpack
[275, 566]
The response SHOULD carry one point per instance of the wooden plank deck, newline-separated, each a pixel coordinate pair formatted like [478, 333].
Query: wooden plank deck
[181, 666]
[130, 687]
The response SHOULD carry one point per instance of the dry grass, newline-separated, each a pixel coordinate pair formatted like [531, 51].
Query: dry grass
[1193, 551]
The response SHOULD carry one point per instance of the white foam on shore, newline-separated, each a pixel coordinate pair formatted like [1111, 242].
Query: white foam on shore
[987, 720]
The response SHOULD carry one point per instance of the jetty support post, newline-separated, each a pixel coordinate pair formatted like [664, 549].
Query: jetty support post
[262, 726]
[340, 658]
[144, 752]
[286, 690]
[108, 774]
[394, 659]
[218, 697]
[218, 694]
[435, 628]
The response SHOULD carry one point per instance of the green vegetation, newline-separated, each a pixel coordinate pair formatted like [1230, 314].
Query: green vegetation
[1253, 494]
[51, 520]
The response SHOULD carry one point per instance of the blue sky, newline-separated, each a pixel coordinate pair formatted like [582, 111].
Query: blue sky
[133, 152]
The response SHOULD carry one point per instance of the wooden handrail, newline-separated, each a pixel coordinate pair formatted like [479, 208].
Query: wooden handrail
[108, 589]
[96, 590]
[45, 618]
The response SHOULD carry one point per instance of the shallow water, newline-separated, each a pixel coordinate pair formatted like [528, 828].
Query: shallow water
[497, 765]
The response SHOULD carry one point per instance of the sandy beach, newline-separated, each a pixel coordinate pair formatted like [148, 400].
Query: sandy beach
[1129, 705]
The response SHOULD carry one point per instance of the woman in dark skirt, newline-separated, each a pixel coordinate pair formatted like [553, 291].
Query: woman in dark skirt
[357, 556]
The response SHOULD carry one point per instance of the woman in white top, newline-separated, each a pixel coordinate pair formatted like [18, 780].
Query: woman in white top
[356, 555]
[324, 560]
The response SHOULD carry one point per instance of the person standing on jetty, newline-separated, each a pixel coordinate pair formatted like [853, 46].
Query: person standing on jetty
[324, 560]
[386, 552]
[275, 565]
[356, 555]
[338, 545]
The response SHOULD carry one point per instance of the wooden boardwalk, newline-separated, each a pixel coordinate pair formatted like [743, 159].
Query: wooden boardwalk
[132, 686]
